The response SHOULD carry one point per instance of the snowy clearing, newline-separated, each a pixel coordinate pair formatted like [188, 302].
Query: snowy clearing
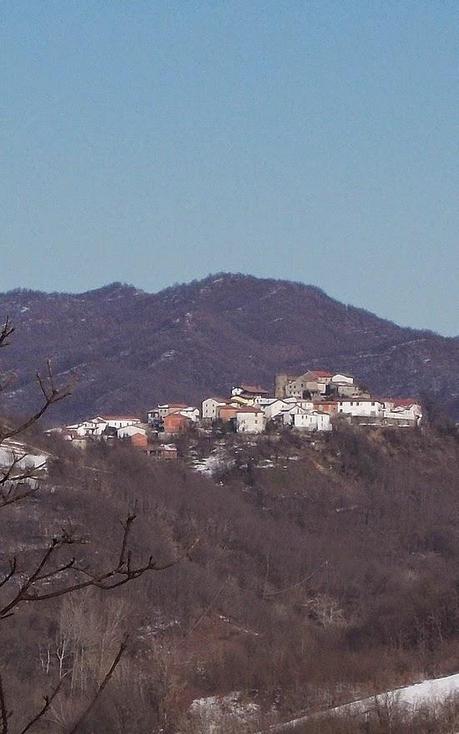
[428, 692]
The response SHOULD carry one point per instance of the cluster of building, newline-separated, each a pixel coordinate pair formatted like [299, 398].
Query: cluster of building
[127, 428]
[312, 401]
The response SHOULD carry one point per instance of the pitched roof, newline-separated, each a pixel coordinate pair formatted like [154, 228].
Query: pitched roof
[120, 417]
[171, 405]
[177, 412]
[401, 402]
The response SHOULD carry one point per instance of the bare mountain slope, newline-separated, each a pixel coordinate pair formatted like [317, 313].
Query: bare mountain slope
[130, 348]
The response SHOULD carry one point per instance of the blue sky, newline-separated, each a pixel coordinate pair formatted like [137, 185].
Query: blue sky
[156, 142]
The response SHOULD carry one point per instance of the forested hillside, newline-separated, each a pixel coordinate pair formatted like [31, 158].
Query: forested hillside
[308, 574]
[129, 349]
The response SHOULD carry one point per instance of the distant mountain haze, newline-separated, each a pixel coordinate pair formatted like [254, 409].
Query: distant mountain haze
[130, 349]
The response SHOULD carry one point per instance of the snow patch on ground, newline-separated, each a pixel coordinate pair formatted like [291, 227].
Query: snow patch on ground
[213, 464]
[425, 693]
[212, 711]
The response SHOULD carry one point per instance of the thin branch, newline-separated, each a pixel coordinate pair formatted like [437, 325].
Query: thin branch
[47, 703]
[57, 571]
[101, 687]
[5, 332]
[107, 580]
[27, 474]
[11, 572]
[51, 395]
[16, 460]
[127, 528]
[103, 581]
[5, 611]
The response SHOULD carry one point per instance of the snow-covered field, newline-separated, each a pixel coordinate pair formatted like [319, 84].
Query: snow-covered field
[27, 459]
[428, 692]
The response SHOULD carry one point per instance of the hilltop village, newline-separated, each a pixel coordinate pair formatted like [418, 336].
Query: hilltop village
[312, 402]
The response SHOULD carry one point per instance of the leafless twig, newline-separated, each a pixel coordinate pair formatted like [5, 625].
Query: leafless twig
[101, 687]
[51, 394]
[122, 573]
[47, 703]
[5, 332]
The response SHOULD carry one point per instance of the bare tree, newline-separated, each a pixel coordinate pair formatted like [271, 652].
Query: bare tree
[54, 574]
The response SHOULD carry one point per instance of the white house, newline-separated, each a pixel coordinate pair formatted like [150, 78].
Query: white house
[128, 431]
[118, 421]
[341, 379]
[313, 420]
[304, 403]
[190, 412]
[87, 428]
[403, 410]
[161, 411]
[250, 420]
[361, 407]
[210, 408]
[344, 386]
[263, 400]
[274, 407]
[288, 413]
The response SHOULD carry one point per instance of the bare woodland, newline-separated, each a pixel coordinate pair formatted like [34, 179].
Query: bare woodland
[59, 570]
[301, 576]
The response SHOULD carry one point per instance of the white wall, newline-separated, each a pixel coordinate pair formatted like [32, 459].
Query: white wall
[120, 422]
[191, 413]
[343, 379]
[209, 408]
[274, 408]
[312, 421]
[365, 408]
[127, 431]
[404, 413]
[250, 422]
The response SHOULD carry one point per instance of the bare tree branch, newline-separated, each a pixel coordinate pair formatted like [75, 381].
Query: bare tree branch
[51, 395]
[10, 574]
[101, 687]
[127, 528]
[29, 473]
[5, 332]
[11, 482]
[47, 703]
[119, 575]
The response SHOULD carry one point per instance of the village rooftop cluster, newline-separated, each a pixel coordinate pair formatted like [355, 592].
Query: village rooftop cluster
[311, 402]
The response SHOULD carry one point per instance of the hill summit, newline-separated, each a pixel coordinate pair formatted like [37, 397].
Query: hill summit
[131, 349]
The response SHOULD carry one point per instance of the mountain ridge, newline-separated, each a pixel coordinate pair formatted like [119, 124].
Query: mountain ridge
[131, 348]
